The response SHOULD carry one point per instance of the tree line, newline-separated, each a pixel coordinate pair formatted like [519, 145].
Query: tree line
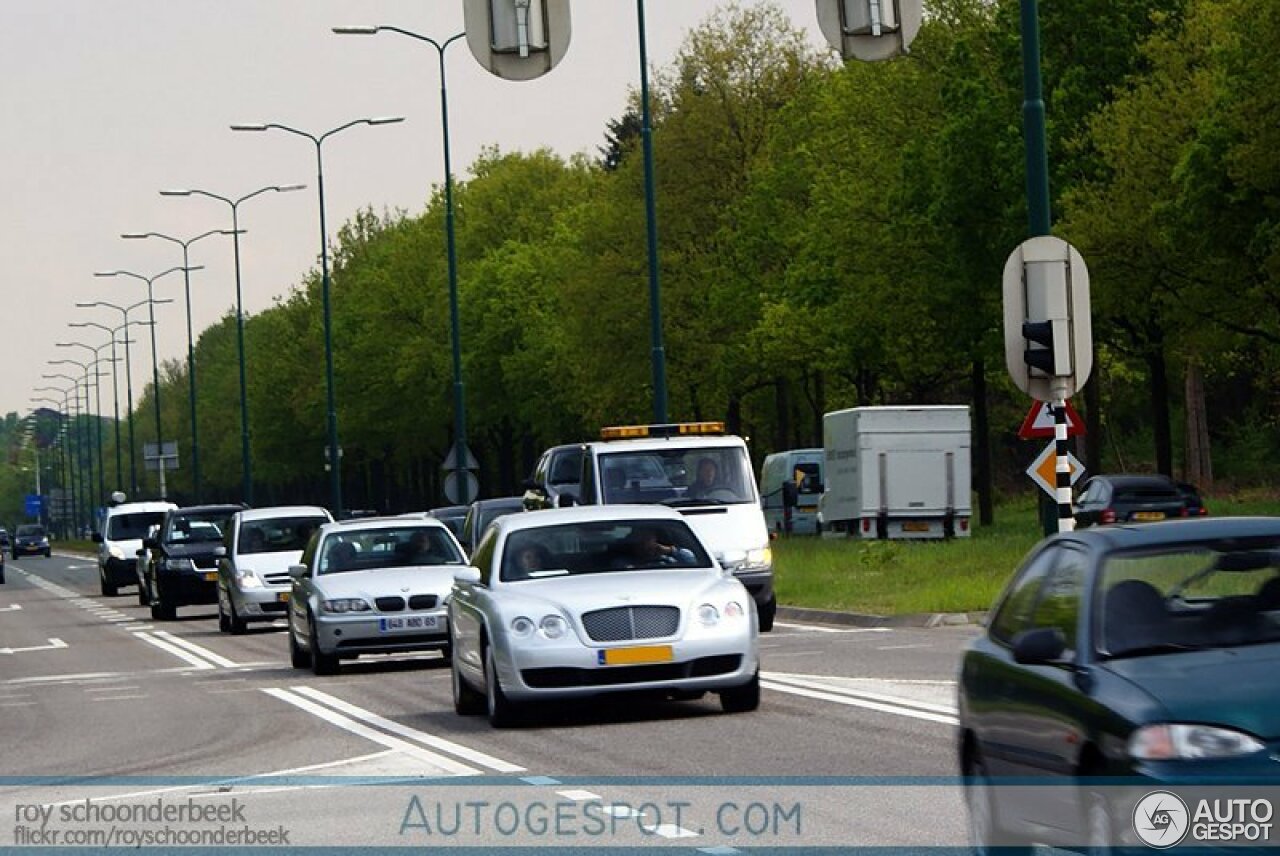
[830, 235]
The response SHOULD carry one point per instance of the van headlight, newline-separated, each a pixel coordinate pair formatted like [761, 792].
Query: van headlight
[247, 579]
[115, 551]
[761, 558]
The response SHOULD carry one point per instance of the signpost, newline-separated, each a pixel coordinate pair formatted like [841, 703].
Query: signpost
[160, 458]
[1044, 470]
[1040, 421]
[460, 485]
[34, 506]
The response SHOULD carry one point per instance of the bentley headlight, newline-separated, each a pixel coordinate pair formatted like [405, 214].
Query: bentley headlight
[523, 627]
[708, 614]
[733, 609]
[1174, 741]
[553, 626]
[345, 604]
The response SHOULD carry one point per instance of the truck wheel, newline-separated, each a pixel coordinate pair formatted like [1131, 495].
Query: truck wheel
[767, 613]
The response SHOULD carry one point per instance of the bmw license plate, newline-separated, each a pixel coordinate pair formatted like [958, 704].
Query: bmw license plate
[1148, 515]
[408, 623]
[211, 577]
[635, 656]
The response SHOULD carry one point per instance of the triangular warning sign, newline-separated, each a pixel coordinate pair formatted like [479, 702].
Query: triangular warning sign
[1039, 422]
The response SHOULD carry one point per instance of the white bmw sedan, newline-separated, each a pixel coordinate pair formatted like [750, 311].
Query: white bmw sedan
[582, 601]
[371, 586]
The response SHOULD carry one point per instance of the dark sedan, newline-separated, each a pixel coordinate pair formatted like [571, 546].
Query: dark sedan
[1129, 499]
[30, 540]
[1142, 652]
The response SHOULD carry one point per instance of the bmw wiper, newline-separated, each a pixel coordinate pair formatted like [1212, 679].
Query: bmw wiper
[1155, 648]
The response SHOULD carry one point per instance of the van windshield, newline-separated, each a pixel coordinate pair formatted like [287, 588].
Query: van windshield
[706, 475]
[132, 527]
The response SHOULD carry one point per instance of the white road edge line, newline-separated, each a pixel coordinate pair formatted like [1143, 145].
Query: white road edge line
[448, 765]
[853, 692]
[174, 650]
[818, 629]
[198, 650]
[472, 755]
[856, 702]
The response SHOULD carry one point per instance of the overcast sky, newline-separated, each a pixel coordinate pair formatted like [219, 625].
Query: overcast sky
[106, 102]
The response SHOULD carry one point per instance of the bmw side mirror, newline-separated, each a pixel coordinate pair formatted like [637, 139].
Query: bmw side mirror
[1038, 646]
[467, 576]
[148, 543]
[298, 572]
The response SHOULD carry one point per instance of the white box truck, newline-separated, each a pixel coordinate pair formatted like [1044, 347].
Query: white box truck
[896, 472]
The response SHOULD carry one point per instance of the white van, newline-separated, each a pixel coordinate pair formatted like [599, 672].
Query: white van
[703, 473]
[790, 487]
[123, 528]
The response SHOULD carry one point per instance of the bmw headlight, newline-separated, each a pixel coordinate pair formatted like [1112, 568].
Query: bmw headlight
[708, 614]
[115, 551]
[553, 626]
[523, 627]
[345, 604]
[179, 565]
[247, 579]
[1173, 741]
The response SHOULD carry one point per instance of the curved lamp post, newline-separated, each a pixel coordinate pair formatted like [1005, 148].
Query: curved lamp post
[76, 470]
[128, 372]
[246, 466]
[115, 385]
[155, 360]
[63, 453]
[191, 347]
[459, 397]
[97, 393]
[335, 475]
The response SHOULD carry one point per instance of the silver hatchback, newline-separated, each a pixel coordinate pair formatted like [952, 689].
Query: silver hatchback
[253, 575]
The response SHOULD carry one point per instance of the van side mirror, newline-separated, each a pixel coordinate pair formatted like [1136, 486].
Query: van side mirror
[298, 572]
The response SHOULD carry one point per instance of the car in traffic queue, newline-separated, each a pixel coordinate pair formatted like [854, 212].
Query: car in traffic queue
[576, 602]
[1136, 654]
[181, 567]
[556, 478]
[1108, 499]
[30, 539]
[371, 586]
[452, 516]
[123, 528]
[481, 513]
[253, 573]
[1, 567]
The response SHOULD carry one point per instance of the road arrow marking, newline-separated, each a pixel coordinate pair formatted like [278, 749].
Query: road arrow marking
[13, 607]
[53, 645]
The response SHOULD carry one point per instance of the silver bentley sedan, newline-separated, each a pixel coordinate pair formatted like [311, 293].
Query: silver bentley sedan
[582, 601]
[371, 586]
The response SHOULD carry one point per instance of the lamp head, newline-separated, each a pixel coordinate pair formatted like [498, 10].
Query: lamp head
[248, 127]
[357, 30]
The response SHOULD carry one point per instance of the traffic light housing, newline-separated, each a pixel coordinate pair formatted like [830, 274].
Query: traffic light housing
[1039, 333]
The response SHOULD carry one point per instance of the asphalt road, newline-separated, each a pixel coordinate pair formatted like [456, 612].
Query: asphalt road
[853, 743]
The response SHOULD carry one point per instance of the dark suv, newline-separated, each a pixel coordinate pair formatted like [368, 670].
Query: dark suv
[182, 558]
[556, 478]
[31, 540]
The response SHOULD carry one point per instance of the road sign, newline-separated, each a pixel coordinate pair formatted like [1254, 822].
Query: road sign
[517, 39]
[1039, 422]
[34, 505]
[451, 459]
[1046, 302]
[1044, 470]
[451, 486]
[870, 29]
[154, 454]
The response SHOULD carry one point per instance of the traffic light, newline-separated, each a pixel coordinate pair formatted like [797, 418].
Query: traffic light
[1039, 333]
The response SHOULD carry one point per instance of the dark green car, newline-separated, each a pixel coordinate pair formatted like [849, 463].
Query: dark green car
[1145, 656]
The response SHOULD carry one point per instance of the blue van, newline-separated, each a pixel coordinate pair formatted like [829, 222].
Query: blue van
[790, 486]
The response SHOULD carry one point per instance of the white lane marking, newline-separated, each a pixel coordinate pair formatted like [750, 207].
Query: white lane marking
[58, 679]
[175, 651]
[902, 647]
[818, 629]
[198, 650]
[475, 757]
[112, 689]
[857, 702]
[17, 703]
[446, 765]
[54, 645]
[580, 796]
[826, 686]
[13, 607]
[118, 698]
[721, 850]
[669, 830]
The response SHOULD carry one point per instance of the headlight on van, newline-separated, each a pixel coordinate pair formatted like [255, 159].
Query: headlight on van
[247, 579]
[760, 558]
[115, 551]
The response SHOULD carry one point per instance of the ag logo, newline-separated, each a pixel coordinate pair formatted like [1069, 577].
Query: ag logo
[1161, 819]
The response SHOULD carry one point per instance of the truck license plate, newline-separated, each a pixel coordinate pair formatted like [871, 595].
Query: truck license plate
[915, 526]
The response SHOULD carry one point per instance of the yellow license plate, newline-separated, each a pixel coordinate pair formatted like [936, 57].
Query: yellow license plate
[211, 577]
[633, 656]
[283, 597]
[915, 526]
[1148, 515]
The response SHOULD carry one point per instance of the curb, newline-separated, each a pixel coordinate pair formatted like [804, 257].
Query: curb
[861, 619]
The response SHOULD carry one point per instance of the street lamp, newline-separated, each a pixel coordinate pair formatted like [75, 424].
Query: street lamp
[191, 348]
[115, 385]
[658, 353]
[97, 392]
[64, 467]
[128, 372]
[75, 468]
[89, 410]
[155, 360]
[335, 476]
[460, 455]
[246, 466]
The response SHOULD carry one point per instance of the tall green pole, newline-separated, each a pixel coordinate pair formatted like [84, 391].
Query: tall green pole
[1033, 123]
[246, 459]
[658, 354]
